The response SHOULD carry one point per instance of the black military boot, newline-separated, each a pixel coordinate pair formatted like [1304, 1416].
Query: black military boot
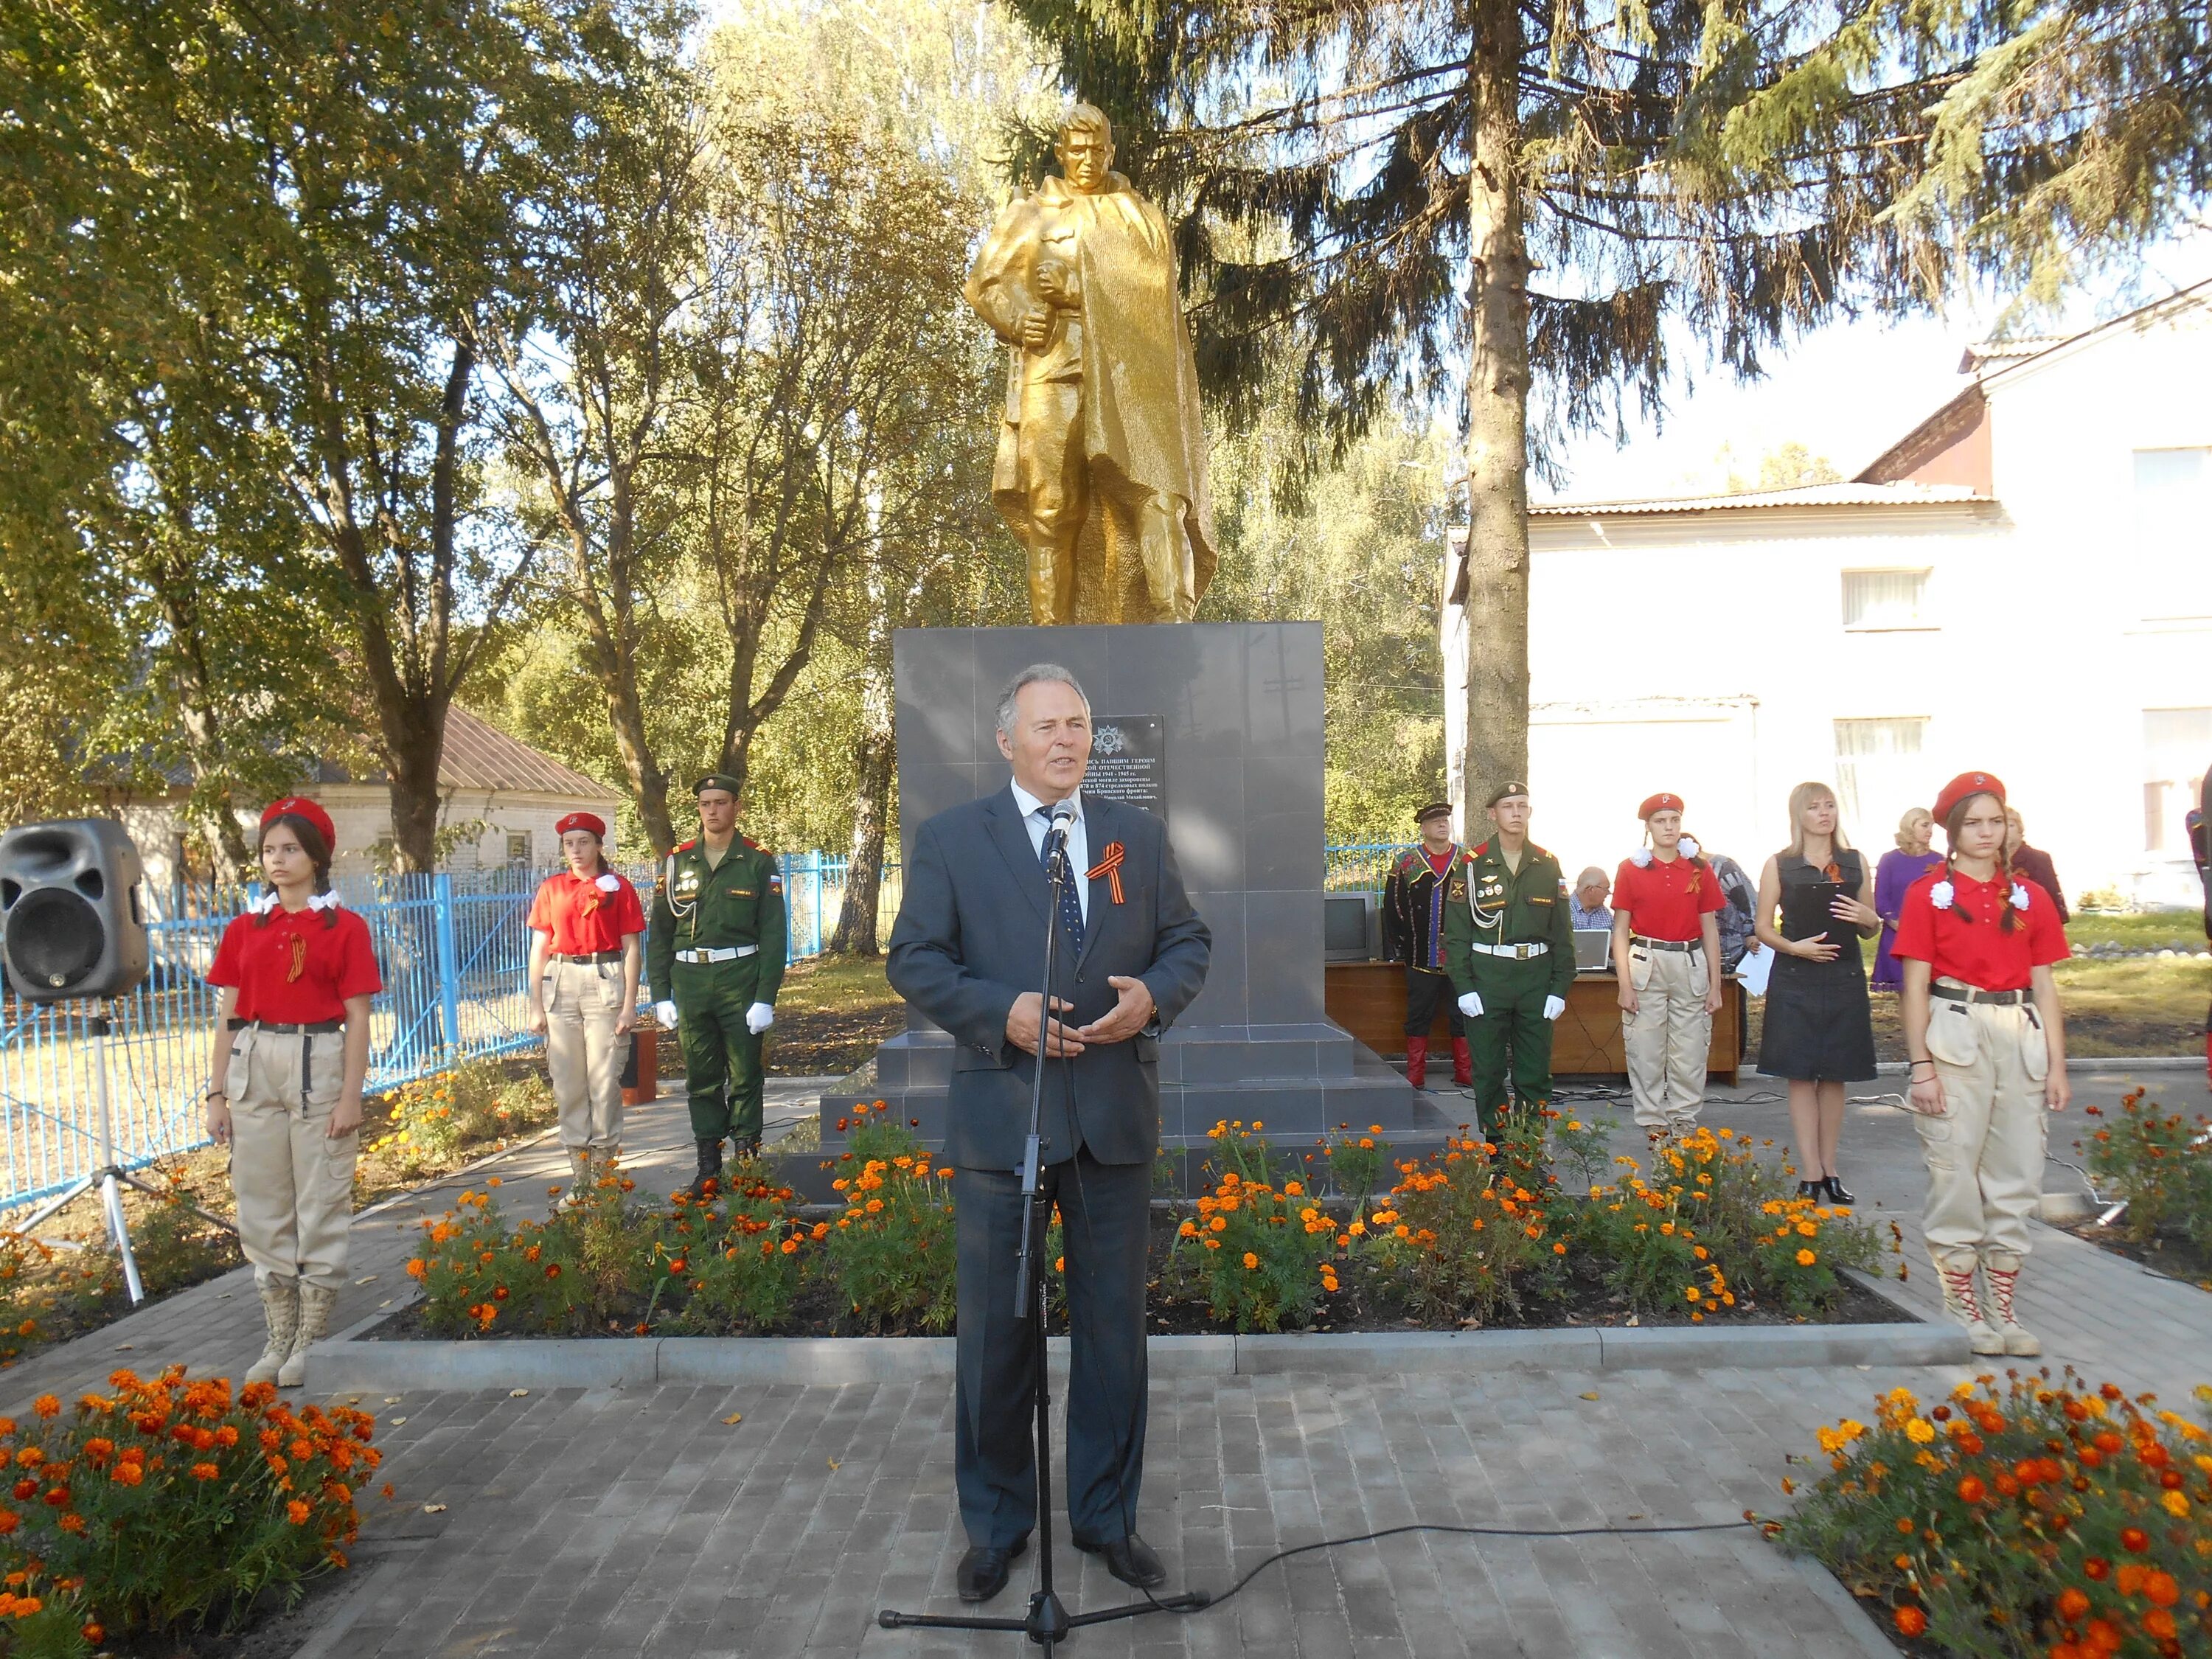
[710, 1169]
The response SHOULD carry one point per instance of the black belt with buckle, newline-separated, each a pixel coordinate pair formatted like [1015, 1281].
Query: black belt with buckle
[309, 1028]
[1667, 943]
[1972, 994]
[592, 957]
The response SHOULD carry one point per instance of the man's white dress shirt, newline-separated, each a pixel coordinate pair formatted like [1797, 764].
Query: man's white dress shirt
[1036, 814]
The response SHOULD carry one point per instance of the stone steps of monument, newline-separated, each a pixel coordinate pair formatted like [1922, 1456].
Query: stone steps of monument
[1412, 1123]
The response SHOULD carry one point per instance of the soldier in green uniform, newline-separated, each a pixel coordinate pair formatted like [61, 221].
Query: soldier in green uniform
[715, 955]
[1510, 945]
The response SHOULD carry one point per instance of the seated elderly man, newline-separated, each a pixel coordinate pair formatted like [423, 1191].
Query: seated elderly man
[1586, 906]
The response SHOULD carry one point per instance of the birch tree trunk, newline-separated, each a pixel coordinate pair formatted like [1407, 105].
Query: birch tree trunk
[1498, 418]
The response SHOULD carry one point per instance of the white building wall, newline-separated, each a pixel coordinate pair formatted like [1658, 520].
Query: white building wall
[361, 814]
[2098, 595]
[1706, 652]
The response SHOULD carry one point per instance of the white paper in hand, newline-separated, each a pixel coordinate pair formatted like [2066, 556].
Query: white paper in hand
[1752, 972]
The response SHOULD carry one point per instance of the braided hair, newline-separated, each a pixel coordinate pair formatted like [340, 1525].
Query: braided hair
[319, 854]
[1953, 824]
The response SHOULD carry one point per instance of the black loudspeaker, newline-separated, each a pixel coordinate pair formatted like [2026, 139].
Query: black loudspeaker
[70, 921]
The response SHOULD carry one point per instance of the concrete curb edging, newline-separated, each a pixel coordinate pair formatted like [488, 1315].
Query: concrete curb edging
[569, 1363]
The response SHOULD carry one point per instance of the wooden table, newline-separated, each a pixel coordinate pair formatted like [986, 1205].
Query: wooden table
[1368, 999]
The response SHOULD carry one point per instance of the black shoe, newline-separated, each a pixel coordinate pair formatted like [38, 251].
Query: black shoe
[982, 1572]
[1815, 1190]
[1838, 1194]
[1129, 1559]
[710, 1169]
[742, 1149]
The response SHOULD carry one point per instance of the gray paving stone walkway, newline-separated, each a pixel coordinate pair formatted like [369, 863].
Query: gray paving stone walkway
[587, 1522]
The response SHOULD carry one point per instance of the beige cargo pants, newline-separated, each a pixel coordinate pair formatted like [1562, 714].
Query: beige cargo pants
[293, 1181]
[583, 1001]
[1667, 1038]
[1985, 1153]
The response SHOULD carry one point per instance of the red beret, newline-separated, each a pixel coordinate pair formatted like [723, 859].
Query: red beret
[590, 820]
[1661, 802]
[299, 807]
[1965, 784]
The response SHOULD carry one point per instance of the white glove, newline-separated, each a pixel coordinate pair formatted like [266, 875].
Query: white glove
[759, 1018]
[666, 1013]
[1471, 1005]
[1554, 1007]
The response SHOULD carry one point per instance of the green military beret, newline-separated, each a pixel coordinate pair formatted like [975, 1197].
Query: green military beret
[1504, 791]
[721, 781]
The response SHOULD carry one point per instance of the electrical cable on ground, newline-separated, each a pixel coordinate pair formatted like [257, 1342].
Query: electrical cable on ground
[1438, 1526]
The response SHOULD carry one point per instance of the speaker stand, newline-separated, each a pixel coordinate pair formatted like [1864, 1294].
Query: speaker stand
[110, 1178]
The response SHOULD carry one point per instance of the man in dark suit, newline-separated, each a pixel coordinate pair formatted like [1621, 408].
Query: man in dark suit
[967, 950]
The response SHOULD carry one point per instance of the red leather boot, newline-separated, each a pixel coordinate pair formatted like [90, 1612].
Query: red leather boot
[1462, 1063]
[1417, 1062]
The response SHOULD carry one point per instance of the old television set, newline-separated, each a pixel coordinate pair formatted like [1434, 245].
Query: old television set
[1351, 927]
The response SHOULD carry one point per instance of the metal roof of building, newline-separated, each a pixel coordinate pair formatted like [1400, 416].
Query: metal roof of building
[1850, 494]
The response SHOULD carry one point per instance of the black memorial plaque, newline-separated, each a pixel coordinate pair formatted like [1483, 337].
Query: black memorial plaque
[1129, 761]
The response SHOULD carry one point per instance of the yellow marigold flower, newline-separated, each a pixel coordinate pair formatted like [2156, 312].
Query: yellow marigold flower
[2177, 1503]
[1920, 1431]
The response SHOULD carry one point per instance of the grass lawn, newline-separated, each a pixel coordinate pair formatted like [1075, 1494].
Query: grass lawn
[830, 1015]
[2114, 1009]
[2146, 930]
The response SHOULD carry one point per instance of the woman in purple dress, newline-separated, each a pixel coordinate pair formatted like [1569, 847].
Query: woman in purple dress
[1897, 871]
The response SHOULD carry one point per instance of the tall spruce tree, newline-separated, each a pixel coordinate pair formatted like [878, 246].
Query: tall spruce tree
[1529, 203]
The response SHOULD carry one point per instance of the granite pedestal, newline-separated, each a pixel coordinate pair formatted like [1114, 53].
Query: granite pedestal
[1239, 707]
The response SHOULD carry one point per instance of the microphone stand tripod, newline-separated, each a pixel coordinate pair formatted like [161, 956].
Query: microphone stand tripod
[1048, 1622]
[109, 1178]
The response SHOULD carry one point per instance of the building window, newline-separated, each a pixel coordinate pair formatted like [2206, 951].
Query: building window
[1878, 773]
[517, 848]
[2173, 533]
[1878, 599]
[2177, 745]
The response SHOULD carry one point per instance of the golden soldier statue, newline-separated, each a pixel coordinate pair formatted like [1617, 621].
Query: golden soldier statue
[1101, 459]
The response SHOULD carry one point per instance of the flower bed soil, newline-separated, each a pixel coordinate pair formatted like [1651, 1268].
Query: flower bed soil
[1173, 1309]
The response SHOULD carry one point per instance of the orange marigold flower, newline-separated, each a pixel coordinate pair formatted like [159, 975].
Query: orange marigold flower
[46, 1406]
[2133, 1539]
[206, 1471]
[1910, 1621]
[297, 1512]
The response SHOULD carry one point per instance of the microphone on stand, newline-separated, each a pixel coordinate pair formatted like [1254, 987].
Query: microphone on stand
[1055, 834]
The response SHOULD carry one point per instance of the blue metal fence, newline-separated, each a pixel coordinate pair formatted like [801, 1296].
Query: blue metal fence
[1363, 865]
[454, 949]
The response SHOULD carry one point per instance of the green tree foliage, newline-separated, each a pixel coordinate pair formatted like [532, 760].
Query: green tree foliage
[1357, 547]
[1526, 204]
[247, 253]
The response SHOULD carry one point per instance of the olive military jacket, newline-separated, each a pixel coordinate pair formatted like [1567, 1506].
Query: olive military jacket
[702, 906]
[1488, 903]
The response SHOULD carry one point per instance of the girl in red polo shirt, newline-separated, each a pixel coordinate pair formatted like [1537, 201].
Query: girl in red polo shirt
[585, 953]
[1987, 1047]
[1666, 956]
[296, 973]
